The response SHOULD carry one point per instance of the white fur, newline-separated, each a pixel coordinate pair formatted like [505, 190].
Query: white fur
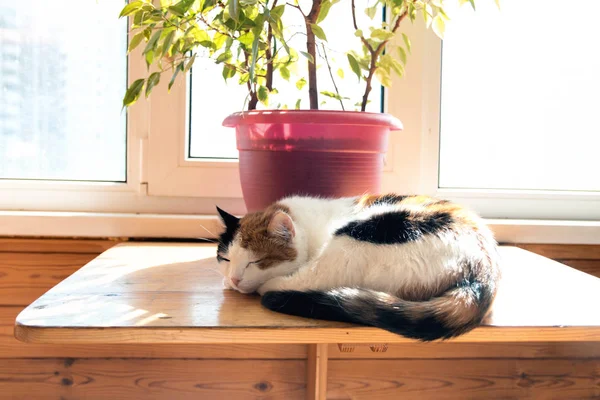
[326, 261]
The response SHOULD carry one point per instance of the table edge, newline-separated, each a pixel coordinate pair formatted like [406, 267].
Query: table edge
[288, 335]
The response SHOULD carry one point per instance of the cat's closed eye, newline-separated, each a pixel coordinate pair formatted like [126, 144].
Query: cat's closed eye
[219, 258]
[254, 262]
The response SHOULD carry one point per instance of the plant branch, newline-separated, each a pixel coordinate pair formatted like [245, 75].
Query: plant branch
[332, 78]
[311, 18]
[375, 53]
[269, 55]
[354, 15]
[362, 37]
[251, 91]
[298, 7]
[214, 28]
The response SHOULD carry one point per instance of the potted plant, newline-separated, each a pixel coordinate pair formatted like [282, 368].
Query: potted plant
[283, 151]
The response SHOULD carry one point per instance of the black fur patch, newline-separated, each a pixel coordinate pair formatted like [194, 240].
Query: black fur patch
[232, 224]
[312, 304]
[365, 308]
[397, 227]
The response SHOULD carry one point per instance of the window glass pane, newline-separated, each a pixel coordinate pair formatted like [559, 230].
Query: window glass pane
[62, 78]
[212, 99]
[520, 97]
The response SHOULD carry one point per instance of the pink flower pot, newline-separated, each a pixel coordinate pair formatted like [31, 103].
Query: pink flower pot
[311, 152]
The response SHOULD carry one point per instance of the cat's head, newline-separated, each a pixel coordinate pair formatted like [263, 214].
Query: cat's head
[257, 247]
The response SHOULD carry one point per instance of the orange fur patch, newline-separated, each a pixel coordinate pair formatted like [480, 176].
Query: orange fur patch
[255, 236]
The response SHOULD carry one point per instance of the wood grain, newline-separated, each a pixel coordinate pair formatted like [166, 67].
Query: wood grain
[450, 349]
[12, 348]
[591, 267]
[92, 379]
[464, 379]
[316, 374]
[169, 293]
[564, 251]
[53, 246]
[24, 277]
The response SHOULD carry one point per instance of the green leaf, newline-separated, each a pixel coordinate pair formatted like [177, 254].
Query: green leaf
[354, 65]
[325, 6]
[189, 64]
[298, 104]
[371, 11]
[234, 10]
[384, 77]
[153, 80]
[263, 95]
[149, 56]
[472, 4]
[151, 45]
[181, 8]
[318, 31]
[246, 39]
[135, 41]
[219, 40]
[301, 83]
[131, 8]
[178, 68]
[198, 34]
[310, 58]
[381, 34]
[225, 56]
[427, 14]
[254, 55]
[147, 33]
[285, 73]
[133, 92]
[439, 26]
[358, 33]
[333, 95]
[243, 77]
[397, 67]
[228, 72]
[402, 55]
[406, 42]
[277, 12]
[340, 73]
[168, 42]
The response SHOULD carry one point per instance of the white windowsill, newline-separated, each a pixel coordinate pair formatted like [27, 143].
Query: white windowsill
[96, 225]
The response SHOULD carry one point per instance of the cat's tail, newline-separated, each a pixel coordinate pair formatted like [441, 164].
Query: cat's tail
[454, 312]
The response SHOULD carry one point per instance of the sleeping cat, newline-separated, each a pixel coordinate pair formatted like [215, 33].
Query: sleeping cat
[414, 265]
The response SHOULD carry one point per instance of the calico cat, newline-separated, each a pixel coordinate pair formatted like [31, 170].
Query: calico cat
[417, 266]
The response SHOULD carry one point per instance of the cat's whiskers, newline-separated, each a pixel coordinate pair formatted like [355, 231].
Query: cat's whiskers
[212, 234]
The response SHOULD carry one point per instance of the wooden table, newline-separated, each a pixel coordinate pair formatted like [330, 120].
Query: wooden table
[172, 293]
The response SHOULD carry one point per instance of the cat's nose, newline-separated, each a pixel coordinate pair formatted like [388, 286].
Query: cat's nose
[235, 281]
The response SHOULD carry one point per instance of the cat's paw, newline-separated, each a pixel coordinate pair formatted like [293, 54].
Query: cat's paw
[226, 284]
[272, 285]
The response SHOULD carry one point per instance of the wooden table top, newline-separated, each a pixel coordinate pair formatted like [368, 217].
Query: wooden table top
[172, 293]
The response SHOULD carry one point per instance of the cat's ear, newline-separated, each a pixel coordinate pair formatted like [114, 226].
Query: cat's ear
[281, 225]
[229, 220]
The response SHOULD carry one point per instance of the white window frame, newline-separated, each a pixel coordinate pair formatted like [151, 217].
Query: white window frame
[132, 196]
[168, 195]
[416, 101]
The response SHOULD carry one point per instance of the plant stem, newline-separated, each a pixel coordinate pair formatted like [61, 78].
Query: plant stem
[332, 78]
[269, 55]
[251, 91]
[375, 53]
[311, 18]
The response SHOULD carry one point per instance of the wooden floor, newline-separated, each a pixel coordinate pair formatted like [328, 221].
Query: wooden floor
[413, 371]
